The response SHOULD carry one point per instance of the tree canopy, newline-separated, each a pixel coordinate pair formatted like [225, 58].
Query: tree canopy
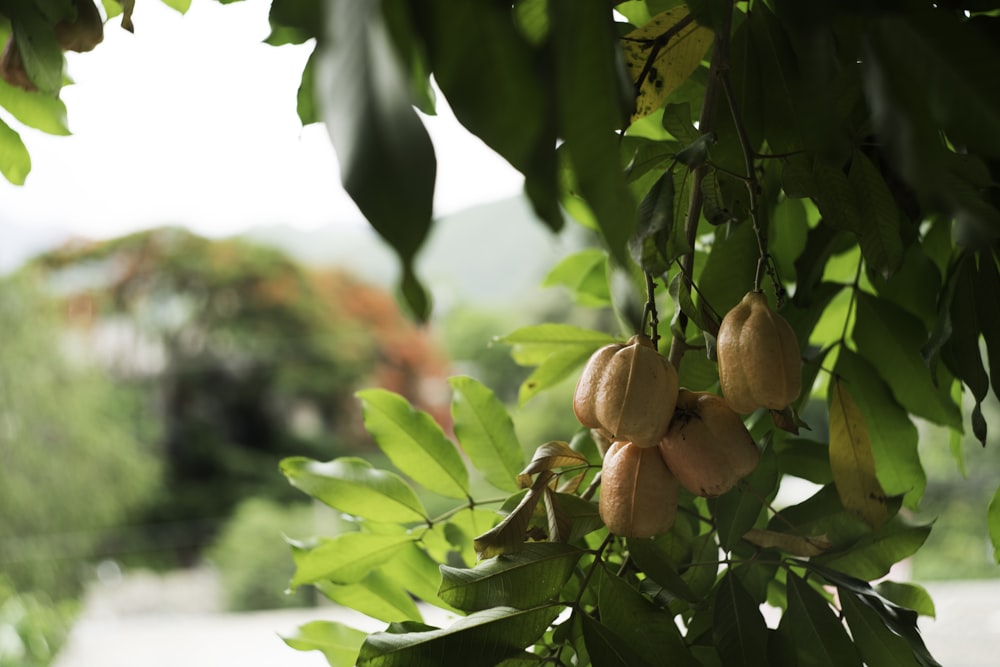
[840, 157]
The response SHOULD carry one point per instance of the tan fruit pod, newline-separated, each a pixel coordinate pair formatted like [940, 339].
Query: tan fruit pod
[628, 391]
[759, 361]
[638, 492]
[707, 447]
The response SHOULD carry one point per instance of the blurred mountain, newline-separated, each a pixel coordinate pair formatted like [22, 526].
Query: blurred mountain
[491, 254]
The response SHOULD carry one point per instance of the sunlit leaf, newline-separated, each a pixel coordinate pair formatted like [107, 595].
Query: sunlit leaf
[15, 163]
[532, 344]
[817, 634]
[338, 643]
[739, 630]
[414, 443]
[376, 595]
[993, 521]
[412, 569]
[486, 432]
[346, 558]
[482, 638]
[851, 458]
[662, 54]
[352, 485]
[585, 274]
[42, 112]
[532, 576]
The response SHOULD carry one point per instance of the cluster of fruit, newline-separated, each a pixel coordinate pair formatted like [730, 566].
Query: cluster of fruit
[662, 436]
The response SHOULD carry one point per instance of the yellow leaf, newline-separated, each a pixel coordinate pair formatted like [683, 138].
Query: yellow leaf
[797, 545]
[662, 54]
[851, 459]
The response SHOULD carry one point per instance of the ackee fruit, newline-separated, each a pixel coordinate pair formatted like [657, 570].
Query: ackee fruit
[638, 492]
[707, 447]
[628, 392]
[759, 361]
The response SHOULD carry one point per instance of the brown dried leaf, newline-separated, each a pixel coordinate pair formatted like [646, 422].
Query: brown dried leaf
[508, 535]
[797, 545]
[555, 454]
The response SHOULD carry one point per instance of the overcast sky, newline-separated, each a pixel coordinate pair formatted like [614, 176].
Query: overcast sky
[192, 120]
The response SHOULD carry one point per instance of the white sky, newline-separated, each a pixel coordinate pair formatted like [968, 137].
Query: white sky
[192, 120]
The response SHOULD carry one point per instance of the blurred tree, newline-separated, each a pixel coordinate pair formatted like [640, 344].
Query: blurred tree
[75, 450]
[247, 357]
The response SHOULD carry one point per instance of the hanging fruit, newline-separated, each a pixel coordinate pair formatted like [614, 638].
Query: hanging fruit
[638, 492]
[707, 447]
[628, 392]
[759, 361]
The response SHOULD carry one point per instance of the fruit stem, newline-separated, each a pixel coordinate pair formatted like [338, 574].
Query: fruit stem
[649, 311]
[706, 124]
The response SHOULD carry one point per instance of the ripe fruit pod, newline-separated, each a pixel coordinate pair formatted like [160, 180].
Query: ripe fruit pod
[759, 361]
[638, 492]
[707, 447]
[627, 391]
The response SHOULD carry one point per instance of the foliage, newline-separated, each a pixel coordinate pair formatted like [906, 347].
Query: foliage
[245, 357]
[841, 156]
[251, 556]
[33, 627]
[56, 408]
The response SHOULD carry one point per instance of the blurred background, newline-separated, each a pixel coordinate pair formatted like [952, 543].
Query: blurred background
[187, 296]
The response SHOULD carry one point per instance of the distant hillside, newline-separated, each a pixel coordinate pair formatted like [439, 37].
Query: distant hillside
[491, 254]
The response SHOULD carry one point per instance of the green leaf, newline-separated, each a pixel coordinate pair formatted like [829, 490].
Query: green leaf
[907, 594]
[556, 367]
[781, 85]
[15, 163]
[306, 105]
[40, 52]
[805, 459]
[376, 595]
[818, 636]
[531, 577]
[993, 521]
[42, 112]
[414, 443]
[738, 627]
[988, 291]
[656, 564]
[486, 432]
[644, 627]
[880, 239]
[890, 339]
[894, 437]
[879, 646]
[585, 274]
[729, 270]
[821, 516]
[658, 239]
[492, 81]
[353, 486]
[592, 107]
[737, 510]
[851, 458]
[386, 157]
[874, 554]
[294, 21]
[344, 559]
[413, 570]
[338, 643]
[608, 649]
[482, 638]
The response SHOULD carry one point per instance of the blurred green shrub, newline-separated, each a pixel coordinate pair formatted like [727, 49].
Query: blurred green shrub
[253, 559]
[33, 627]
[76, 452]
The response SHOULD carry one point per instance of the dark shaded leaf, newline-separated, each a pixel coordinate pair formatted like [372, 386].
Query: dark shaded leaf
[656, 564]
[993, 523]
[608, 649]
[909, 595]
[532, 576]
[874, 554]
[737, 510]
[815, 631]
[738, 627]
[880, 239]
[386, 158]
[879, 646]
[482, 638]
